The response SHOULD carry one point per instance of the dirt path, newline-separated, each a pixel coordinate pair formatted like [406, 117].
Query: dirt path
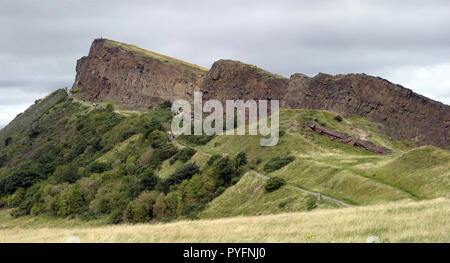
[322, 196]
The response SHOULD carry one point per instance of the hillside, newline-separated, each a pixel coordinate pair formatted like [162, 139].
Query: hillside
[114, 163]
[97, 162]
[406, 221]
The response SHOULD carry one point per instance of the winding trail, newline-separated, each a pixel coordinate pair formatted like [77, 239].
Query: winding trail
[317, 194]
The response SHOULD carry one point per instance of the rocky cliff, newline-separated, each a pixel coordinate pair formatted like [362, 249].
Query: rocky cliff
[406, 114]
[138, 78]
[134, 77]
[233, 80]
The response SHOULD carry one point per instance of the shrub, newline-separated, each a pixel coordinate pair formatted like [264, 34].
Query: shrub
[183, 155]
[213, 159]
[311, 203]
[98, 167]
[15, 199]
[220, 190]
[3, 159]
[240, 159]
[8, 141]
[148, 179]
[141, 209]
[338, 118]
[67, 173]
[110, 107]
[167, 104]
[277, 163]
[116, 216]
[157, 139]
[185, 172]
[225, 168]
[149, 125]
[274, 183]
[25, 176]
[159, 155]
[235, 180]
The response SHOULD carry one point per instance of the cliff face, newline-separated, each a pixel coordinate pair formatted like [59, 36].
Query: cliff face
[137, 78]
[233, 80]
[134, 77]
[406, 114]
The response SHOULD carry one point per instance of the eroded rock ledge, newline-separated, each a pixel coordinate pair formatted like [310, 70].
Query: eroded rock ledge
[348, 139]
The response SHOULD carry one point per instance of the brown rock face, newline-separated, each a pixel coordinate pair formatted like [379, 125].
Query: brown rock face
[137, 78]
[350, 140]
[234, 80]
[407, 114]
[134, 77]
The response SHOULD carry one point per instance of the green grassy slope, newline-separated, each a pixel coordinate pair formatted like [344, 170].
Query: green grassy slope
[343, 171]
[248, 197]
[115, 157]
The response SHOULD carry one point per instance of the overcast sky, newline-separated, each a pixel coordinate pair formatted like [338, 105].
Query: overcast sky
[408, 44]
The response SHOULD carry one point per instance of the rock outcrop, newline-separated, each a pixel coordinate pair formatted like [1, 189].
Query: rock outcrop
[136, 78]
[234, 80]
[406, 114]
[348, 139]
[133, 77]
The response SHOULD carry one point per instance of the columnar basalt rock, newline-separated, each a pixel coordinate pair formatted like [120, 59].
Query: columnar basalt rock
[136, 78]
[405, 114]
[234, 80]
[133, 77]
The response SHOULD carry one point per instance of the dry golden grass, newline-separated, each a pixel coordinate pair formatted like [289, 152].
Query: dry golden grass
[405, 221]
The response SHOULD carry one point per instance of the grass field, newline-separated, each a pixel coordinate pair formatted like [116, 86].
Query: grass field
[403, 221]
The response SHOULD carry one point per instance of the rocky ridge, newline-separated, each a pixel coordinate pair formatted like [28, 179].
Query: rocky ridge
[136, 78]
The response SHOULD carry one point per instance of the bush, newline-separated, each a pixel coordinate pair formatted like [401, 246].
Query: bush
[110, 107]
[8, 141]
[141, 209]
[225, 168]
[277, 163]
[116, 216]
[185, 172]
[274, 183]
[338, 118]
[240, 159]
[149, 125]
[235, 180]
[183, 155]
[159, 155]
[157, 139]
[98, 167]
[148, 180]
[213, 159]
[67, 173]
[25, 176]
[3, 159]
[15, 199]
[311, 203]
